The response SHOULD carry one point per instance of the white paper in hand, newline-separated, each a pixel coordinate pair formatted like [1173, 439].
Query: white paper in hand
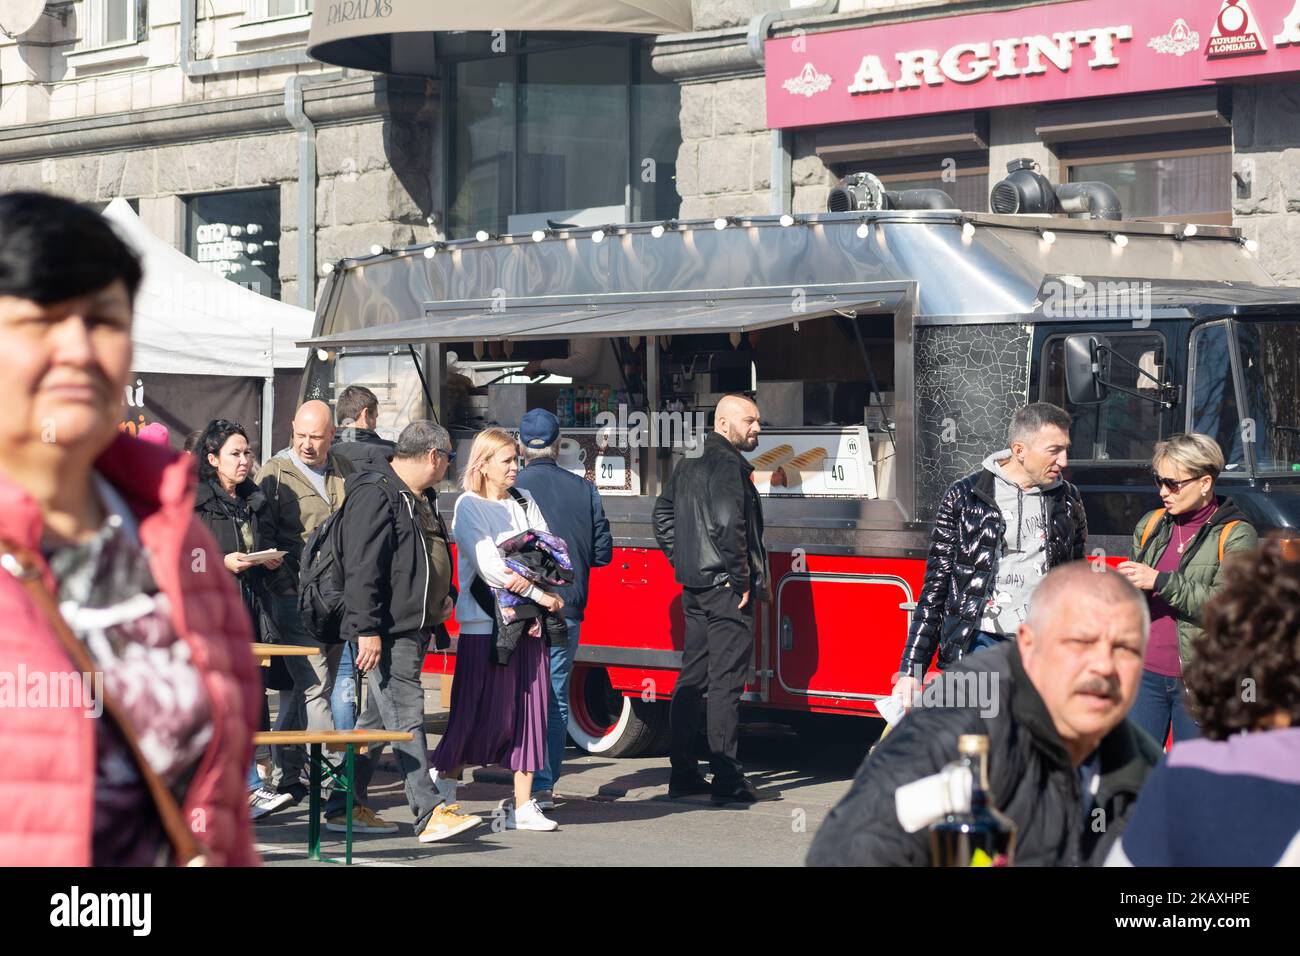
[891, 708]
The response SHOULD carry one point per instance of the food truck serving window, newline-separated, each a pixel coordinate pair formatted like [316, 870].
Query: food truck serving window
[1123, 427]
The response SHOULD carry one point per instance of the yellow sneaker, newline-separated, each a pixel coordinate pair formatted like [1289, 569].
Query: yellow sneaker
[364, 820]
[447, 821]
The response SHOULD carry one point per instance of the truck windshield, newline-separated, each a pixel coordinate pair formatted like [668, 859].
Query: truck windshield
[1267, 411]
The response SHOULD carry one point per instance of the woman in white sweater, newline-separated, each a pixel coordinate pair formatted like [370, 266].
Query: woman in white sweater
[498, 713]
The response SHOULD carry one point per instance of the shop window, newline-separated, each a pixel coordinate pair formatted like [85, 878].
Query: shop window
[237, 236]
[269, 9]
[1169, 181]
[1124, 427]
[112, 22]
[584, 134]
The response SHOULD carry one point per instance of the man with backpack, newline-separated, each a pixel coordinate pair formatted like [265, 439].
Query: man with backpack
[396, 570]
[304, 485]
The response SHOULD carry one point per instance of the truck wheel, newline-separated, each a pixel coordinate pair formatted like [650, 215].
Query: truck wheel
[603, 721]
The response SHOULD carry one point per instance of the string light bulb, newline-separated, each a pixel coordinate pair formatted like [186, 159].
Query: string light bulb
[482, 235]
[657, 231]
[863, 231]
[1048, 236]
[968, 230]
[598, 236]
[787, 220]
[1121, 240]
[720, 223]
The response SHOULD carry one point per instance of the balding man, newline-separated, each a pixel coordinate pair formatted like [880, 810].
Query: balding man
[304, 485]
[1064, 763]
[709, 522]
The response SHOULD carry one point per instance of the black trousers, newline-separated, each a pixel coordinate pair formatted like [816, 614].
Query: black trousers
[718, 646]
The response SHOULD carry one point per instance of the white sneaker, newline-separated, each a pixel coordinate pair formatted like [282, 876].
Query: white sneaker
[446, 788]
[529, 817]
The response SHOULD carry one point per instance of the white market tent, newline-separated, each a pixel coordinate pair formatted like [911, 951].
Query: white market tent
[192, 322]
[189, 321]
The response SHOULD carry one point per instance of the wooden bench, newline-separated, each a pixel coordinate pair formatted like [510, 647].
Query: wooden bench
[345, 741]
[264, 652]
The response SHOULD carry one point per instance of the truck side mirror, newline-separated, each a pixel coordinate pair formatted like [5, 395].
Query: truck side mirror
[1084, 384]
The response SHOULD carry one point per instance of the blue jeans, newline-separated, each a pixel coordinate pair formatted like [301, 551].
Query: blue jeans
[1161, 704]
[343, 701]
[557, 714]
[254, 778]
[985, 639]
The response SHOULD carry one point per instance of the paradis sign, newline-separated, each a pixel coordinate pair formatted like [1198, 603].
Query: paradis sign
[1050, 52]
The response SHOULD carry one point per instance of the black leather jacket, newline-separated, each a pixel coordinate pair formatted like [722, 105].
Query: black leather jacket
[709, 522]
[963, 564]
[1031, 777]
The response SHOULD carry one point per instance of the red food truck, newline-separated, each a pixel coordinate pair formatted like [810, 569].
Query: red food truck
[887, 345]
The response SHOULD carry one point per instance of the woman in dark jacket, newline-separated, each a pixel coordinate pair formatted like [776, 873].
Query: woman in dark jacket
[242, 521]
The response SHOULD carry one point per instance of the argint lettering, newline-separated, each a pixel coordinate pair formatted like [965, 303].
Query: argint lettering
[1006, 58]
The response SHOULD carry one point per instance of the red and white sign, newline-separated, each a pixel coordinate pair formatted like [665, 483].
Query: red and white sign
[1053, 52]
[1235, 32]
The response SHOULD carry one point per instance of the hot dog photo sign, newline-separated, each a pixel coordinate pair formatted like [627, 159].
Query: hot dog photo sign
[814, 463]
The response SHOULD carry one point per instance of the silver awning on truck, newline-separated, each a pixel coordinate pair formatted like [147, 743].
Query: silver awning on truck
[690, 312]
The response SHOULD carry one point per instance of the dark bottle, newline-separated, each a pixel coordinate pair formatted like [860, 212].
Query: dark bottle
[984, 836]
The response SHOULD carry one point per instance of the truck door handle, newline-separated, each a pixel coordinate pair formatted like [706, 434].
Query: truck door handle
[787, 634]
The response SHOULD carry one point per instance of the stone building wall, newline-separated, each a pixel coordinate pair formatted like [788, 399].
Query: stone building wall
[137, 127]
[1266, 170]
[725, 161]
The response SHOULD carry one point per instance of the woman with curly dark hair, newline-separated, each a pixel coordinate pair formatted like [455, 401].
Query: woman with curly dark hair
[243, 522]
[1233, 798]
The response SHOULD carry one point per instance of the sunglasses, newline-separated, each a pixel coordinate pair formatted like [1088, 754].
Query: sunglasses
[1173, 484]
[451, 455]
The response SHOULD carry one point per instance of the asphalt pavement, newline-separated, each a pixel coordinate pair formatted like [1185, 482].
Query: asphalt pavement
[612, 811]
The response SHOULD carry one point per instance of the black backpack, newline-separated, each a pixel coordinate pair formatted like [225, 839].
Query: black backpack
[320, 577]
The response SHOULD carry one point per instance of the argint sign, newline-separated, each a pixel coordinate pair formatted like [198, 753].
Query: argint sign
[1015, 56]
[1055, 51]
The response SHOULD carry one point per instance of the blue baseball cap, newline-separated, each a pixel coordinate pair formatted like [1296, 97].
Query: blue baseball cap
[538, 428]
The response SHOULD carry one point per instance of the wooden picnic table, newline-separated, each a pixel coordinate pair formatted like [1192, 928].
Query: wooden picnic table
[345, 740]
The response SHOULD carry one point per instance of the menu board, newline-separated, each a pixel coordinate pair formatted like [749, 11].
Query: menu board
[596, 455]
[814, 463]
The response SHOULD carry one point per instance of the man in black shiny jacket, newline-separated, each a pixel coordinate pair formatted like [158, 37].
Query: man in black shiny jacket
[996, 534]
[709, 522]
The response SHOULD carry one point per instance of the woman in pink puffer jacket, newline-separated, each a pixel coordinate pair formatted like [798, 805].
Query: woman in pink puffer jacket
[107, 523]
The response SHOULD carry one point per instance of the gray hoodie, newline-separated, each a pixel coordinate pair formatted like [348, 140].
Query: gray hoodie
[1022, 553]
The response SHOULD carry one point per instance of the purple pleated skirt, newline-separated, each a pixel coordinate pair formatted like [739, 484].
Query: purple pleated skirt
[498, 714]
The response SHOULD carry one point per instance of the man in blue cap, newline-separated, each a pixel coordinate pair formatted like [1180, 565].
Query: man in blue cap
[572, 508]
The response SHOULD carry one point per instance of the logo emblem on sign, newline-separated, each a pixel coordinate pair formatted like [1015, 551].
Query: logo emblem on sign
[808, 83]
[1235, 33]
[1180, 40]
[1290, 28]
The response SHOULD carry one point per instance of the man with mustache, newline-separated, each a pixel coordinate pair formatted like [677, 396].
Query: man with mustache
[1064, 763]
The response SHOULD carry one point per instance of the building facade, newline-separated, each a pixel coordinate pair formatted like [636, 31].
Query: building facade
[263, 163]
[236, 147]
[1191, 111]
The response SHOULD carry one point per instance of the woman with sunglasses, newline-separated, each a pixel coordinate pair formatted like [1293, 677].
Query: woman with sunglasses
[1177, 554]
